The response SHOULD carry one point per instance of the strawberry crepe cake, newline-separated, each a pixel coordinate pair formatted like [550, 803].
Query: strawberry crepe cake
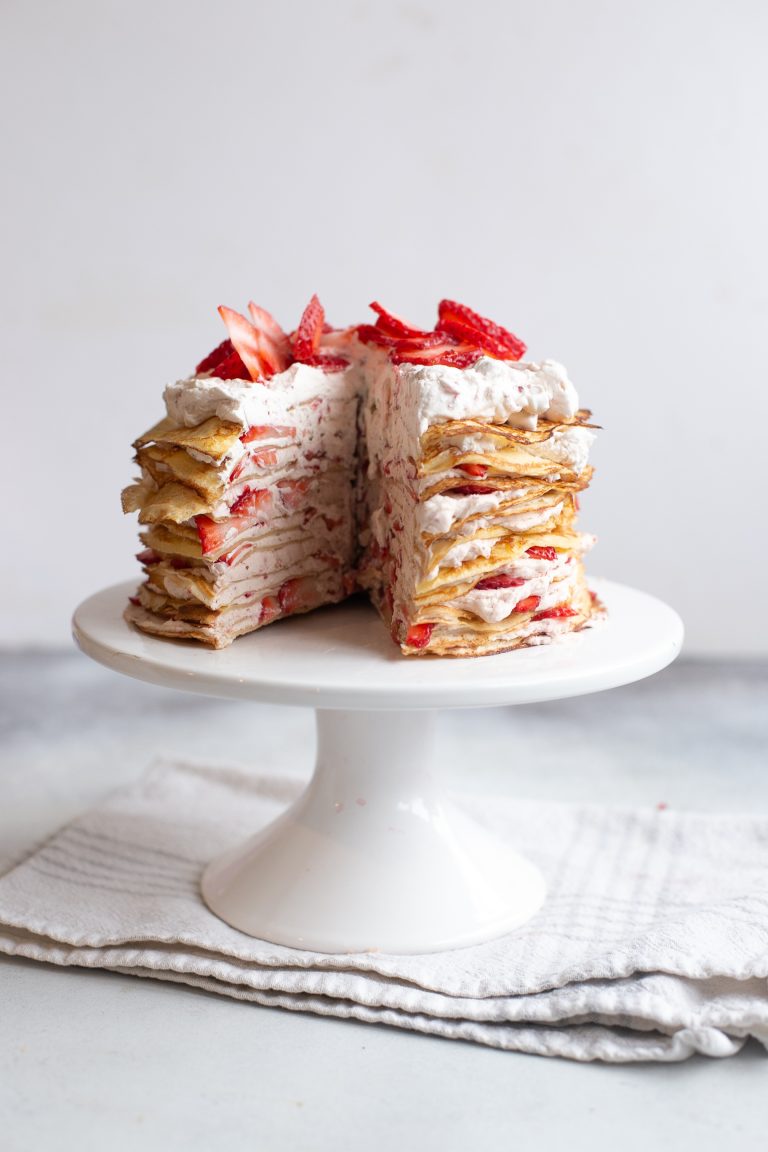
[436, 470]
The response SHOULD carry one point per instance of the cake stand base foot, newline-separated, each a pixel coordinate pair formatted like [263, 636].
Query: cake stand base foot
[373, 856]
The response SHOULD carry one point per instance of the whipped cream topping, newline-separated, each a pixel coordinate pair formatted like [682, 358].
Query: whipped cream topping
[248, 402]
[499, 391]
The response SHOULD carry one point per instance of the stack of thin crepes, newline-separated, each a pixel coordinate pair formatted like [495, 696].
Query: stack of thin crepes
[243, 524]
[498, 560]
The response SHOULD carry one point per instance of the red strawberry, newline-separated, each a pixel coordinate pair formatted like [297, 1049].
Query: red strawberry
[292, 595]
[326, 362]
[292, 493]
[220, 352]
[264, 458]
[229, 558]
[558, 612]
[500, 581]
[474, 469]
[393, 325]
[214, 534]
[451, 314]
[277, 344]
[249, 343]
[528, 604]
[261, 431]
[472, 490]
[538, 553]
[270, 610]
[306, 339]
[467, 335]
[232, 368]
[135, 601]
[419, 635]
[148, 556]
[249, 502]
[450, 354]
[370, 334]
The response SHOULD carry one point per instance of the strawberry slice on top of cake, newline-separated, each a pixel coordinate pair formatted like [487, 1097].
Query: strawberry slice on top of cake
[434, 469]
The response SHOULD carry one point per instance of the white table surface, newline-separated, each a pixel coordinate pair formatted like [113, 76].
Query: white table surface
[94, 1060]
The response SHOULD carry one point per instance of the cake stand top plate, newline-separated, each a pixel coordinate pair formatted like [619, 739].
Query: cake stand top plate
[343, 657]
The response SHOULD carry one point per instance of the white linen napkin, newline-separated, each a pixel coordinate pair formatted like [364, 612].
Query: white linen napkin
[652, 944]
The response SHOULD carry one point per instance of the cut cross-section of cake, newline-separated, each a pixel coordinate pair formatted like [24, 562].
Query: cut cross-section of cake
[434, 469]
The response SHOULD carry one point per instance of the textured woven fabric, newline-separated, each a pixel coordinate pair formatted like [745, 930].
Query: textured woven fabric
[652, 944]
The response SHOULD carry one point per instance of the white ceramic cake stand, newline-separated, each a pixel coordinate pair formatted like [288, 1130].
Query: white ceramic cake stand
[373, 855]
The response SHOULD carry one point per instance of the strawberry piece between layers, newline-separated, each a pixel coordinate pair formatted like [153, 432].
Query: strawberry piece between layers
[306, 340]
[270, 610]
[250, 501]
[536, 552]
[472, 490]
[215, 534]
[528, 604]
[293, 595]
[474, 469]
[500, 581]
[451, 315]
[262, 431]
[559, 612]
[419, 635]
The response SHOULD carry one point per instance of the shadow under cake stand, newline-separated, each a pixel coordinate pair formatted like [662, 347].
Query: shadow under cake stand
[373, 855]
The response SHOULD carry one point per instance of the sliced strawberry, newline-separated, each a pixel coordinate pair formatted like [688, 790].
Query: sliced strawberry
[229, 558]
[419, 635]
[239, 468]
[500, 581]
[270, 610]
[135, 601]
[472, 490]
[393, 325]
[276, 341]
[249, 343]
[450, 313]
[327, 362]
[262, 431]
[148, 556]
[232, 368]
[214, 534]
[264, 458]
[292, 493]
[293, 595]
[370, 334]
[306, 339]
[474, 469]
[528, 604]
[251, 501]
[538, 553]
[467, 335]
[450, 354]
[220, 352]
[557, 613]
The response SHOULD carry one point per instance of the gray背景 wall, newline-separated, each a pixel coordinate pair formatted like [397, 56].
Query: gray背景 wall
[591, 174]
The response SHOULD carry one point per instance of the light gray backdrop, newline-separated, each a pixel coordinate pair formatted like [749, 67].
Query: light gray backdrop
[592, 174]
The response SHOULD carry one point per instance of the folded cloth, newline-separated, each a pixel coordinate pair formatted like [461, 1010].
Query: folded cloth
[652, 943]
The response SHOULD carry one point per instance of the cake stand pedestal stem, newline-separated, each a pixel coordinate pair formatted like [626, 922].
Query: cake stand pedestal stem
[373, 856]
